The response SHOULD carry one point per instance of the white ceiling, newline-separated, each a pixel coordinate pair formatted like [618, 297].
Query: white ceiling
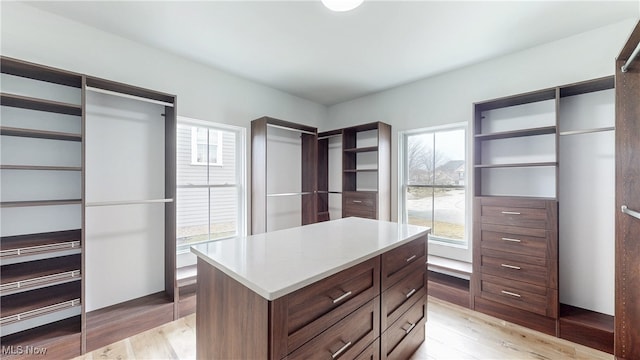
[306, 50]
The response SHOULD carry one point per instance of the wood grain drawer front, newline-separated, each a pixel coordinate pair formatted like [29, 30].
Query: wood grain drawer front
[514, 296]
[515, 269]
[400, 297]
[514, 216]
[398, 340]
[345, 339]
[372, 352]
[314, 308]
[395, 263]
[360, 204]
[513, 242]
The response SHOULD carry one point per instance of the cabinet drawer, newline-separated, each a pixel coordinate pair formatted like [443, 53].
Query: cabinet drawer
[314, 308]
[405, 335]
[372, 352]
[345, 339]
[516, 267]
[401, 296]
[513, 295]
[395, 263]
[360, 204]
[514, 216]
[513, 240]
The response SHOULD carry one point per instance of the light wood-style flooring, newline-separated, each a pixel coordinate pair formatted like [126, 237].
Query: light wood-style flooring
[453, 332]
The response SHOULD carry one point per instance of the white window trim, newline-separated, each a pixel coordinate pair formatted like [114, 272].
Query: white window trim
[438, 248]
[186, 258]
[194, 148]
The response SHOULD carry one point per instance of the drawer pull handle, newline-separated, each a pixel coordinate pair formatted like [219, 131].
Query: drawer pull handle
[411, 258]
[413, 291]
[510, 266]
[510, 293]
[511, 213]
[341, 350]
[357, 201]
[512, 240]
[410, 328]
[342, 297]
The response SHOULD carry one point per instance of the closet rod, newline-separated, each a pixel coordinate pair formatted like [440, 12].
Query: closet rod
[329, 192]
[329, 136]
[140, 98]
[205, 186]
[291, 194]
[635, 52]
[586, 131]
[128, 202]
[291, 129]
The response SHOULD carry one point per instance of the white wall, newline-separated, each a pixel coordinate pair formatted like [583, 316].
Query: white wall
[448, 98]
[203, 93]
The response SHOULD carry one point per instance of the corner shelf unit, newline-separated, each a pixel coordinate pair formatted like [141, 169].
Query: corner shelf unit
[366, 171]
[516, 190]
[42, 240]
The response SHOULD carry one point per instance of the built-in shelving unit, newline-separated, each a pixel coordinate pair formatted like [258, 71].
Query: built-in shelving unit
[43, 241]
[525, 184]
[366, 167]
[41, 274]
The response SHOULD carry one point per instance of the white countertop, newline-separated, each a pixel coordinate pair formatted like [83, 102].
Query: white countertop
[277, 263]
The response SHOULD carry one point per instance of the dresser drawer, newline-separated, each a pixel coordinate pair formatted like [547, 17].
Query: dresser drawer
[516, 267]
[405, 335]
[346, 339]
[515, 216]
[512, 294]
[372, 352]
[314, 308]
[360, 204]
[395, 263]
[401, 296]
[512, 239]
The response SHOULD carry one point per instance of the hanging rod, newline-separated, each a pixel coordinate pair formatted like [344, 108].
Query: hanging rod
[133, 97]
[635, 52]
[329, 136]
[291, 194]
[329, 192]
[586, 131]
[291, 129]
[128, 202]
[630, 212]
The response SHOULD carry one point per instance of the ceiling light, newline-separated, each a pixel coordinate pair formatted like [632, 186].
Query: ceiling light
[342, 5]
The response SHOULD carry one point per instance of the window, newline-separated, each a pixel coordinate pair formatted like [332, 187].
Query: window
[211, 184]
[205, 146]
[433, 179]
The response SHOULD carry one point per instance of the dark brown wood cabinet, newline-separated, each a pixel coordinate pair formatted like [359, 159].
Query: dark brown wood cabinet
[43, 275]
[366, 171]
[375, 309]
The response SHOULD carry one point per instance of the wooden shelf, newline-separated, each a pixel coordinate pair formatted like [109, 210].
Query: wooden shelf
[60, 338]
[587, 327]
[11, 204]
[37, 244]
[30, 103]
[35, 305]
[38, 72]
[361, 149]
[40, 168]
[515, 165]
[39, 134]
[21, 277]
[546, 130]
[132, 316]
[186, 275]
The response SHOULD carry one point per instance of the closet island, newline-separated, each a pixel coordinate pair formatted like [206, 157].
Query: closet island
[350, 288]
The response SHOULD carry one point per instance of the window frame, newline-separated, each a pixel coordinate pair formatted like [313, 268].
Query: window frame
[439, 246]
[194, 147]
[184, 257]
